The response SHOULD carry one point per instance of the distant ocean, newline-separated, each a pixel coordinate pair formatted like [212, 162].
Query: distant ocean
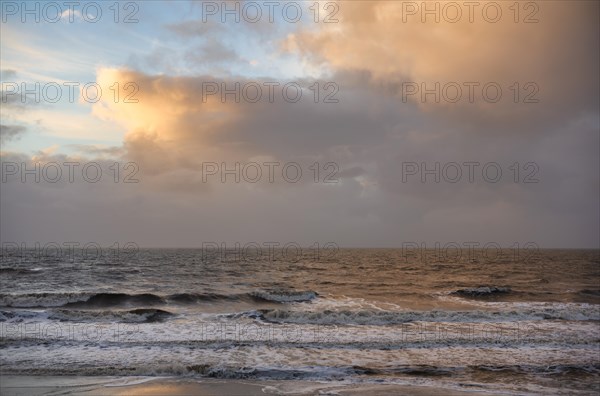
[519, 325]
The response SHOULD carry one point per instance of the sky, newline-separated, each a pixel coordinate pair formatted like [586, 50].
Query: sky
[359, 123]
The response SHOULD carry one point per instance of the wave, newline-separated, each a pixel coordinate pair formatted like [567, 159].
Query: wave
[593, 369]
[104, 300]
[224, 372]
[503, 293]
[195, 298]
[482, 291]
[379, 318]
[273, 296]
[588, 292]
[118, 299]
[20, 271]
[139, 315]
[79, 300]
[319, 373]
[33, 300]
[233, 372]
[19, 316]
[284, 296]
[336, 373]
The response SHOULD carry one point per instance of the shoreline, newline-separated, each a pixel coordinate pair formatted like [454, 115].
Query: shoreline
[26, 385]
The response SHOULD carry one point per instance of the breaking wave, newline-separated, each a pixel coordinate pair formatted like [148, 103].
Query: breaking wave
[374, 318]
[104, 300]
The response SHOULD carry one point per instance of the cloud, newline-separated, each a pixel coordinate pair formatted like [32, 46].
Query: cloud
[193, 125]
[70, 16]
[11, 132]
[97, 151]
[7, 74]
[559, 54]
[212, 51]
[195, 28]
[369, 133]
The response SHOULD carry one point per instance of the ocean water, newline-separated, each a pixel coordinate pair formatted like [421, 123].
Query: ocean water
[526, 324]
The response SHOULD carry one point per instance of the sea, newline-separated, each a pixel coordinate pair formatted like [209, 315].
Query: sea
[337, 318]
